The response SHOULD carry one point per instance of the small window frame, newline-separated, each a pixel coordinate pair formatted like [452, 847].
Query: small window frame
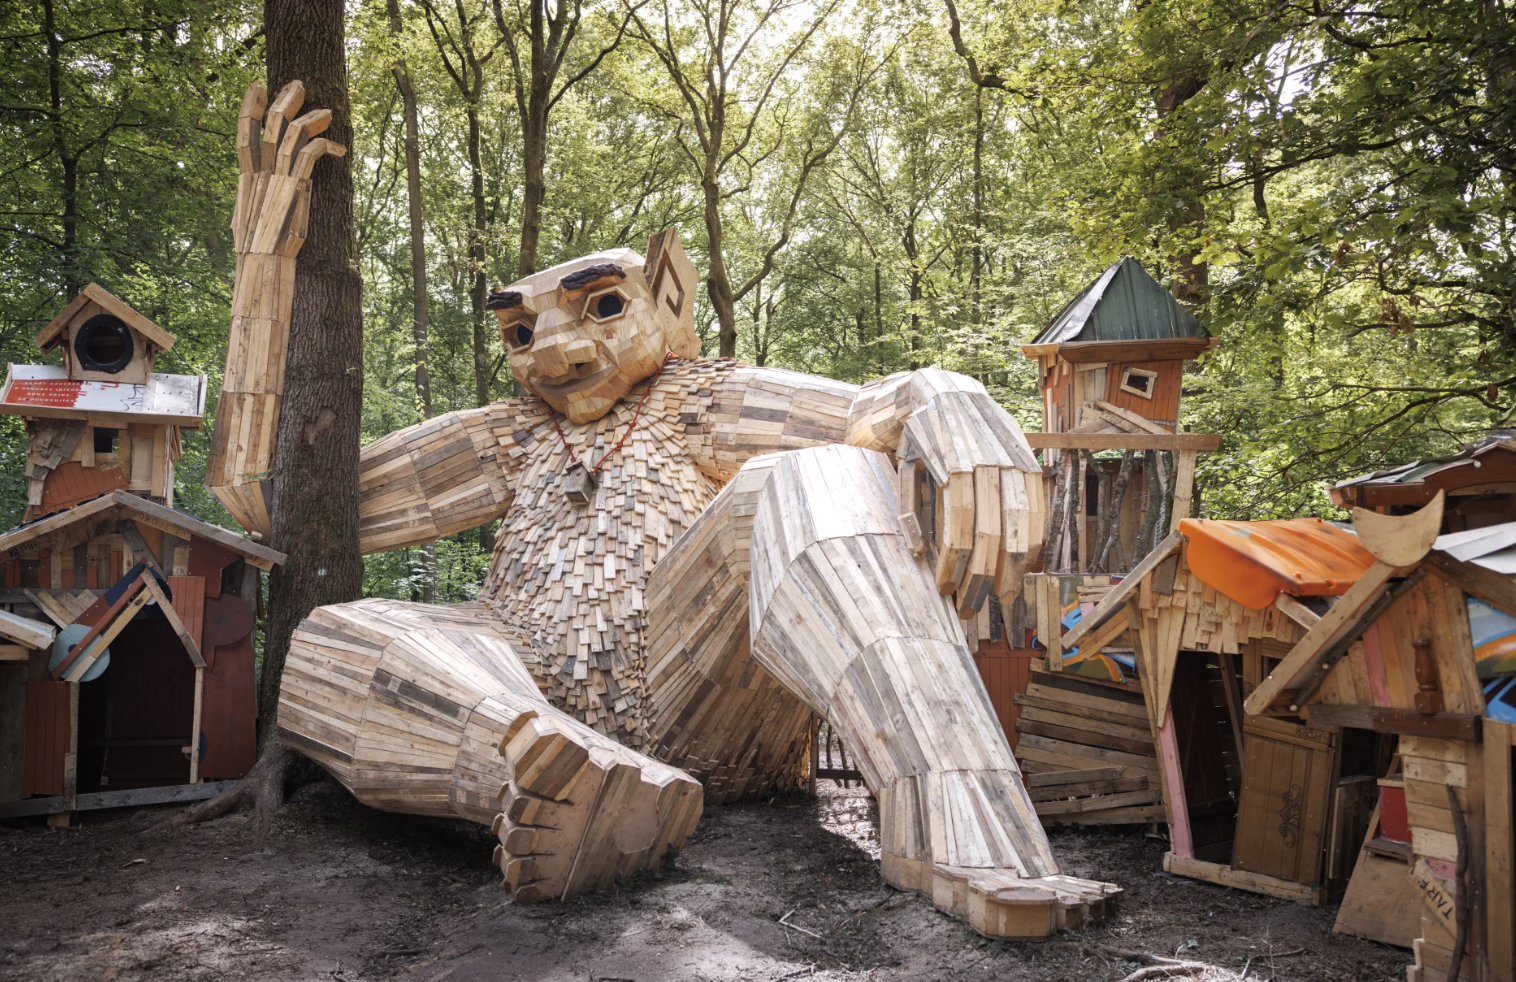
[593, 298]
[1129, 373]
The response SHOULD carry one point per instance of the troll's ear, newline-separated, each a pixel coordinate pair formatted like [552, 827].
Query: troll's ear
[671, 278]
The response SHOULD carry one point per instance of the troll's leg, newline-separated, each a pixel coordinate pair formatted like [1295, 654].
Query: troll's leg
[846, 618]
[429, 710]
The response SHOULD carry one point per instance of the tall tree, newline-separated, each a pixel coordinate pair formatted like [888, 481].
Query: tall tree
[725, 100]
[465, 56]
[412, 138]
[550, 30]
[315, 476]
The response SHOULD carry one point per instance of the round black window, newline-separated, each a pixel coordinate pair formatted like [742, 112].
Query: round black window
[608, 305]
[103, 344]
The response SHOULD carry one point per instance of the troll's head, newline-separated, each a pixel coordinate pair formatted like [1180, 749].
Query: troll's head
[582, 334]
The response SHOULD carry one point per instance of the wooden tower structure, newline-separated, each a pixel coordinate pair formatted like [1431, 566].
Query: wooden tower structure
[104, 420]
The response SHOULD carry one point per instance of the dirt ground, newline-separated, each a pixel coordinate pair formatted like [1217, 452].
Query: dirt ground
[347, 893]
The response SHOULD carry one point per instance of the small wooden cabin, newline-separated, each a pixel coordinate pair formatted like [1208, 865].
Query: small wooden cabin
[1271, 805]
[1479, 482]
[153, 612]
[1418, 652]
[104, 420]
[1119, 347]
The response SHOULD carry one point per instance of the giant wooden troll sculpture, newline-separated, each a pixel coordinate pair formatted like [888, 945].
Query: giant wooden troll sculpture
[694, 556]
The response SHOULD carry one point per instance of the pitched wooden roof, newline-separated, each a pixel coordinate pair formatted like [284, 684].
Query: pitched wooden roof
[50, 335]
[28, 538]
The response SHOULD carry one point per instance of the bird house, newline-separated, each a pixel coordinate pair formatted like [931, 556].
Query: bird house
[1116, 350]
[104, 420]
[104, 339]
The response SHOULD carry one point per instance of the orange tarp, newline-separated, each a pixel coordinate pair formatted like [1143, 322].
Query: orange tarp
[1253, 562]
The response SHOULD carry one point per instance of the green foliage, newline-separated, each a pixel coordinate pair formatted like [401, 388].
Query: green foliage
[1330, 186]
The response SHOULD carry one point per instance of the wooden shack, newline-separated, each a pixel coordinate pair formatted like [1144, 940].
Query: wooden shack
[168, 604]
[1118, 476]
[127, 676]
[104, 420]
[1479, 482]
[1275, 805]
[1418, 653]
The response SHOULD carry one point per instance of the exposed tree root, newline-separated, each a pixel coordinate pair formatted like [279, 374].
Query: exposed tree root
[262, 790]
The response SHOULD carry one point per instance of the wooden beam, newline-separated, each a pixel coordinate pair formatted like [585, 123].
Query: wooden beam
[167, 606]
[1405, 722]
[195, 725]
[1184, 485]
[1123, 441]
[15, 652]
[1499, 887]
[1474, 579]
[1117, 596]
[133, 798]
[1303, 659]
[1296, 611]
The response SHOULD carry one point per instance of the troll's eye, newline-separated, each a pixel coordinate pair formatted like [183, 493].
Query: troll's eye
[520, 336]
[608, 306]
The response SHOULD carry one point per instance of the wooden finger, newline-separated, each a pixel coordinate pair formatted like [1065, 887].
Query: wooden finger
[297, 134]
[1018, 521]
[979, 576]
[249, 127]
[314, 151]
[286, 104]
[956, 543]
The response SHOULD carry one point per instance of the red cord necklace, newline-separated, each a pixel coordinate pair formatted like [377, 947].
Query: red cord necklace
[636, 415]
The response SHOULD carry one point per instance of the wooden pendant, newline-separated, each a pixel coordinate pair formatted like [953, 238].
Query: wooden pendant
[579, 484]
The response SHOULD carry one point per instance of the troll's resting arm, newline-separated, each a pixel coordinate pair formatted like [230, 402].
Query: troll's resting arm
[441, 476]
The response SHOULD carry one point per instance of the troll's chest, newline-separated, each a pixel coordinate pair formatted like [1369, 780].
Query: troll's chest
[572, 575]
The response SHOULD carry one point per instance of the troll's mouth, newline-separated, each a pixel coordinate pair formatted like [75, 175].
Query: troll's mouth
[544, 387]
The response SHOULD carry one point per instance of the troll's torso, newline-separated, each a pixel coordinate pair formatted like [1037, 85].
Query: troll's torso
[571, 577]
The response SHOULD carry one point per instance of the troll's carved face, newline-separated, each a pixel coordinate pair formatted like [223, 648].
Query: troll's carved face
[582, 334]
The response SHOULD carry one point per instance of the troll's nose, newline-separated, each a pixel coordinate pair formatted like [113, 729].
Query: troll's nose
[557, 357]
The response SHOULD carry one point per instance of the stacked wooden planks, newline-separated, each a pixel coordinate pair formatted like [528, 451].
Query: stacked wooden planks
[429, 710]
[1088, 746]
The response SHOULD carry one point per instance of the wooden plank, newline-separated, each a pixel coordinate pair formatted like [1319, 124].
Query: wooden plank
[25, 631]
[1269, 886]
[134, 798]
[15, 652]
[199, 703]
[1296, 667]
[1499, 886]
[1123, 441]
[1072, 777]
[1405, 722]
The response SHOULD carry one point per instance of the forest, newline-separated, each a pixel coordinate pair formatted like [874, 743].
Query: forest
[866, 187]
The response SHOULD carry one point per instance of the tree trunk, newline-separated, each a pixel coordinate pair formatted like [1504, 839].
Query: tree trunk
[428, 592]
[718, 284]
[73, 276]
[315, 474]
[478, 289]
[1192, 279]
[534, 190]
[976, 271]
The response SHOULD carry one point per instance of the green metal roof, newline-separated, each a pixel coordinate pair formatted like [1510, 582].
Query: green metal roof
[1123, 304]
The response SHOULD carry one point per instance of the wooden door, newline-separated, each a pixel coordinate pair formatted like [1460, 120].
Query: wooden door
[47, 738]
[1287, 783]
